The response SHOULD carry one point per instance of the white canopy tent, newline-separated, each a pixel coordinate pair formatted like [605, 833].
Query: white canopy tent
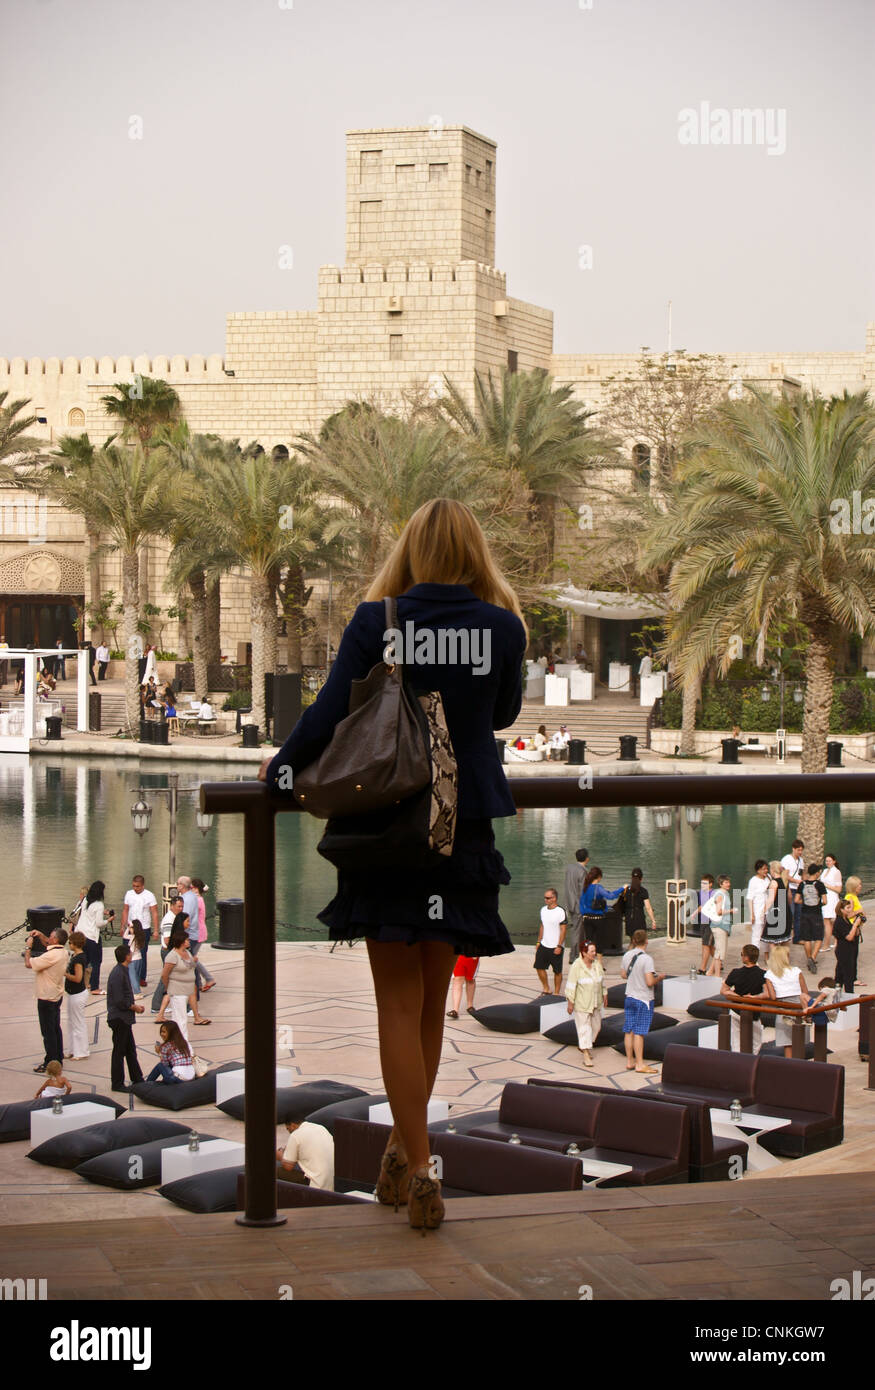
[598, 603]
[18, 725]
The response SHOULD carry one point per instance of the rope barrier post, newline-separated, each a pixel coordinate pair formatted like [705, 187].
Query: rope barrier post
[797, 1034]
[724, 1031]
[745, 1032]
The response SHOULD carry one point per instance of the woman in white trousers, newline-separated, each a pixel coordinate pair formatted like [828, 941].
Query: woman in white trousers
[76, 992]
[584, 991]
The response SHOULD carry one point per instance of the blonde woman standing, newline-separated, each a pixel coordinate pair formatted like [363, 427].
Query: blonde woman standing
[584, 990]
[785, 984]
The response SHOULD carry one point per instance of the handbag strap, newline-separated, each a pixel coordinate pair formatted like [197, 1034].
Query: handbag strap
[390, 611]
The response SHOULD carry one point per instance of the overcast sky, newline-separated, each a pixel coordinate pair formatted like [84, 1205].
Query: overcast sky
[113, 245]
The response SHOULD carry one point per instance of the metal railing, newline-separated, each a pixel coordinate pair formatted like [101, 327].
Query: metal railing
[259, 805]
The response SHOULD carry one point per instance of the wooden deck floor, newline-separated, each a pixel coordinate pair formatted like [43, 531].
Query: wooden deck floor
[752, 1240]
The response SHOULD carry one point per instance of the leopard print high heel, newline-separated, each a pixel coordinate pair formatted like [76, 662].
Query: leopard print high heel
[424, 1205]
[392, 1184]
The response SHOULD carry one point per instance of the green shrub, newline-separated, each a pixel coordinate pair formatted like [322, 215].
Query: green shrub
[238, 699]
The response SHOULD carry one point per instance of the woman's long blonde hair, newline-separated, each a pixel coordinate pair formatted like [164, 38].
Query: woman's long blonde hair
[443, 543]
[779, 960]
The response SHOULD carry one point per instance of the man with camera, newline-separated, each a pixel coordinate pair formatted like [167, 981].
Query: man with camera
[49, 970]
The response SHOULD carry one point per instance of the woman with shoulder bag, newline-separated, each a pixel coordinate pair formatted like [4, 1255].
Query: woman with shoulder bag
[462, 637]
[91, 921]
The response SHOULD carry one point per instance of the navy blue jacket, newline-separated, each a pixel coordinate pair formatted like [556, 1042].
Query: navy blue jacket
[475, 705]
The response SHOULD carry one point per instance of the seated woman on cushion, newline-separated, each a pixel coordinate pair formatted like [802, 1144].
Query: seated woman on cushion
[175, 1057]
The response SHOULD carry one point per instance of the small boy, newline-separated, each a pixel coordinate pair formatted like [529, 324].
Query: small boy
[308, 1157]
[829, 992]
[55, 1084]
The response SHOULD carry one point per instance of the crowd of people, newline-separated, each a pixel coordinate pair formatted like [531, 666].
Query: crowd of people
[68, 966]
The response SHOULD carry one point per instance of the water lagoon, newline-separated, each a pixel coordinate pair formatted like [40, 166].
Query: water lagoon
[66, 822]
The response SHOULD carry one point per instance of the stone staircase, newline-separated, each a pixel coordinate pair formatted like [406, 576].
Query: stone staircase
[600, 722]
[112, 709]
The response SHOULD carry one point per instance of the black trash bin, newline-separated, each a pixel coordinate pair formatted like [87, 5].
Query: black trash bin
[834, 754]
[730, 750]
[161, 733]
[45, 919]
[628, 744]
[53, 728]
[500, 745]
[146, 731]
[577, 751]
[243, 709]
[231, 933]
[94, 712]
[250, 735]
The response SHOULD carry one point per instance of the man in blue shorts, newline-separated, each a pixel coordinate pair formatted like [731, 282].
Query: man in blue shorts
[639, 972]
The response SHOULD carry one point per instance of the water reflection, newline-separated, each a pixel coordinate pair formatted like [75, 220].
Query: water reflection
[68, 822]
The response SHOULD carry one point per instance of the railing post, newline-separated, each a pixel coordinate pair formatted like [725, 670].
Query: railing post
[870, 1029]
[745, 1032]
[724, 1031]
[798, 1039]
[820, 1040]
[259, 1025]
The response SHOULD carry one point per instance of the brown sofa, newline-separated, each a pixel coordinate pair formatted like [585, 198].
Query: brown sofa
[653, 1138]
[469, 1167]
[811, 1095]
[710, 1156]
[297, 1194]
[705, 1073]
[545, 1120]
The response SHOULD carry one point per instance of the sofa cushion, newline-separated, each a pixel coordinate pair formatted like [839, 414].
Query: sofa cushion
[205, 1192]
[77, 1145]
[700, 1008]
[567, 1115]
[684, 1035]
[357, 1108]
[646, 1169]
[789, 1082]
[800, 1121]
[610, 1033]
[120, 1168]
[15, 1117]
[510, 1018]
[709, 1073]
[536, 1138]
[463, 1124]
[773, 1049]
[185, 1096]
[617, 994]
[295, 1103]
[654, 1129]
[299, 1194]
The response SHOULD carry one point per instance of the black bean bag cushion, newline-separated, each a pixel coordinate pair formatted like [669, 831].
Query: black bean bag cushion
[617, 994]
[116, 1169]
[355, 1109]
[205, 1192]
[294, 1103]
[700, 1008]
[512, 1018]
[610, 1033]
[15, 1118]
[201, 1091]
[773, 1050]
[78, 1145]
[687, 1034]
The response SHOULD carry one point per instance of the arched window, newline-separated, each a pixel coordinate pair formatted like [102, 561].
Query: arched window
[279, 453]
[641, 460]
[76, 418]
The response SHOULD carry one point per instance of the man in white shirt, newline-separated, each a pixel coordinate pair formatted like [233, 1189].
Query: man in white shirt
[794, 863]
[102, 661]
[308, 1156]
[206, 710]
[141, 906]
[551, 936]
[757, 893]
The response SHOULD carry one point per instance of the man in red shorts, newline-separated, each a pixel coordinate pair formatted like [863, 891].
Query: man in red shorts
[464, 969]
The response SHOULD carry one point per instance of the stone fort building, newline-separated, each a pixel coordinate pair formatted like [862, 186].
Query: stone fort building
[418, 296]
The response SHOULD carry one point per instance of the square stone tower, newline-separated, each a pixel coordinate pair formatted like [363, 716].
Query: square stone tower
[417, 192]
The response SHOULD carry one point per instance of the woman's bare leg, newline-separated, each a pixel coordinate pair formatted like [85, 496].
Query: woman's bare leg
[410, 984]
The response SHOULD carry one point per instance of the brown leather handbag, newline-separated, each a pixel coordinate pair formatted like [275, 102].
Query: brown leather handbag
[377, 755]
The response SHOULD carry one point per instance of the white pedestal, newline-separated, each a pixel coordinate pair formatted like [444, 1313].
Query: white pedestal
[555, 690]
[848, 1020]
[680, 992]
[652, 687]
[382, 1114]
[180, 1162]
[553, 1014]
[535, 686]
[565, 668]
[581, 685]
[707, 1037]
[45, 1124]
[618, 676]
[233, 1083]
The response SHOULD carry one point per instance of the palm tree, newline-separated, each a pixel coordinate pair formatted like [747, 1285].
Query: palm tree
[520, 423]
[764, 530]
[127, 495]
[16, 446]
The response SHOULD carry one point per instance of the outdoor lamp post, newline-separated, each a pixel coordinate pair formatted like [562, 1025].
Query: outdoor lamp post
[141, 814]
[666, 817]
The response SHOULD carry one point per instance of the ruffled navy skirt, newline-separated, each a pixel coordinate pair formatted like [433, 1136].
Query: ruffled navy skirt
[456, 901]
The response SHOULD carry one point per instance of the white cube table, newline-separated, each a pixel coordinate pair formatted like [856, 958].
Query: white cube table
[45, 1124]
[180, 1162]
[553, 1014]
[382, 1114]
[680, 992]
[847, 1020]
[618, 676]
[652, 687]
[233, 1083]
[555, 690]
[707, 1037]
[581, 685]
